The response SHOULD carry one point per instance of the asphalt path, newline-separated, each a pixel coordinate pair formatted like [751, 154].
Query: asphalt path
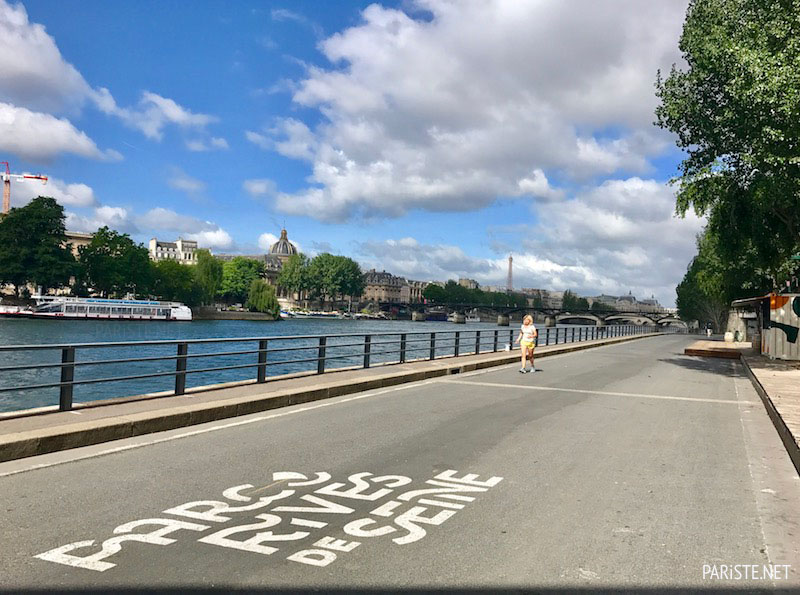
[625, 466]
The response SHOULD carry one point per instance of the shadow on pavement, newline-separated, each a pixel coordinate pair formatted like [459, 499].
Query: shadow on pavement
[719, 366]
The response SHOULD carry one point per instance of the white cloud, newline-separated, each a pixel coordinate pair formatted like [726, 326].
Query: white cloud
[265, 240]
[32, 71]
[538, 186]
[613, 238]
[180, 180]
[449, 113]
[117, 218]
[258, 139]
[37, 86]
[206, 233]
[200, 145]
[66, 194]
[41, 137]
[154, 112]
[259, 187]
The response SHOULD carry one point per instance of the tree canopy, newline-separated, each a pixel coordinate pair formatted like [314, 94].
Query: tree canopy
[114, 264]
[294, 274]
[261, 298]
[34, 246]
[208, 276]
[736, 113]
[453, 293]
[238, 275]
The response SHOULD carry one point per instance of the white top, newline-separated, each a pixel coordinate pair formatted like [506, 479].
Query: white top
[528, 332]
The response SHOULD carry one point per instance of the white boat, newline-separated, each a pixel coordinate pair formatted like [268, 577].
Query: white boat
[60, 307]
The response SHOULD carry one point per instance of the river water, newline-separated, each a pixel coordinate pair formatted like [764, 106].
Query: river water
[349, 350]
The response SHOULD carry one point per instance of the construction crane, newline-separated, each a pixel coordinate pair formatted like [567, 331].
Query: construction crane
[6, 176]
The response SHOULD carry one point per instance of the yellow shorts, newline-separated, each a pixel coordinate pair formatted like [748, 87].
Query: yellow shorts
[527, 344]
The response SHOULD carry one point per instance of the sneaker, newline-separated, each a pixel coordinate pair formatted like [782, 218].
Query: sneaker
[521, 371]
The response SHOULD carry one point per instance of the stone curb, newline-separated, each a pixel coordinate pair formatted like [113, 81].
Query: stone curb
[48, 440]
[783, 431]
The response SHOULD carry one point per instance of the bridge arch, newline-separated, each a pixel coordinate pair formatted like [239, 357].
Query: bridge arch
[671, 320]
[629, 319]
[582, 316]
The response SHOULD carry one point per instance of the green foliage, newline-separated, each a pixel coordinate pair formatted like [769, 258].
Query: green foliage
[735, 113]
[208, 276]
[238, 276]
[600, 307]
[330, 276]
[294, 274]
[173, 281]
[453, 293]
[114, 264]
[571, 301]
[714, 279]
[33, 246]
[261, 298]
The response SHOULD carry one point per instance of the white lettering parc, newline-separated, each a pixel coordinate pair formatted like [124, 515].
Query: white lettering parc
[306, 520]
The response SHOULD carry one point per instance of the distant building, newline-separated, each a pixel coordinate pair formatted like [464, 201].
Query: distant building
[385, 287]
[182, 251]
[468, 283]
[78, 239]
[283, 248]
[279, 253]
[415, 289]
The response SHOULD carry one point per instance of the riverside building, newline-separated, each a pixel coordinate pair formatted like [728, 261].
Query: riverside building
[182, 251]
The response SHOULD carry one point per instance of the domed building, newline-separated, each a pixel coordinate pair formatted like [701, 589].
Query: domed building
[283, 248]
[279, 253]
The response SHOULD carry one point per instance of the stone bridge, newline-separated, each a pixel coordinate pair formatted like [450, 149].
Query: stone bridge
[553, 316]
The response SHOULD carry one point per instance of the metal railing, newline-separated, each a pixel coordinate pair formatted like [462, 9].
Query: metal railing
[281, 355]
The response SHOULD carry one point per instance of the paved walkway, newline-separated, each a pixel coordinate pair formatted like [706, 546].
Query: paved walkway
[92, 424]
[627, 468]
[778, 384]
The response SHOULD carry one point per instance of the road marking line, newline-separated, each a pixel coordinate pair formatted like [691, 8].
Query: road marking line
[596, 392]
[328, 403]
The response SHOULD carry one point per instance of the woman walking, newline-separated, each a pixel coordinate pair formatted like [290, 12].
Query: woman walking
[527, 340]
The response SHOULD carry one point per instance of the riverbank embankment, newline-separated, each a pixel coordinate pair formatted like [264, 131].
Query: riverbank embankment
[93, 423]
[205, 313]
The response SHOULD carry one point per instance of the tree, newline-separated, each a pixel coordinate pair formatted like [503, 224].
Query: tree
[294, 275]
[332, 276]
[238, 275]
[261, 298]
[115, 264]
[173, 281]
[208, 276]
[34, 246]
[735, 113]
[434, 293]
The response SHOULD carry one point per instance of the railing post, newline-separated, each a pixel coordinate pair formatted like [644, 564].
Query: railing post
[262, 361]
[180, 368]
[547, 336]
[572, 340]
[433, 345]
[321, 355]
[494, 347]
[477, 342]
[67, 376]
[458, 335]
[510, 337]
[402, 348]
[367, 349]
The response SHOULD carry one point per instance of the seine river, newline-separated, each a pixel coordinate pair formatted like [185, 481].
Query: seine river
[35, 332]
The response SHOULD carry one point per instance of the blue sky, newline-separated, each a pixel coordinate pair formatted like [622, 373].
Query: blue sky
[429, 138]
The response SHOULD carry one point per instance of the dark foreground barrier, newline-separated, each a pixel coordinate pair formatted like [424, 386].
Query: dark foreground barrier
[127, 362]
